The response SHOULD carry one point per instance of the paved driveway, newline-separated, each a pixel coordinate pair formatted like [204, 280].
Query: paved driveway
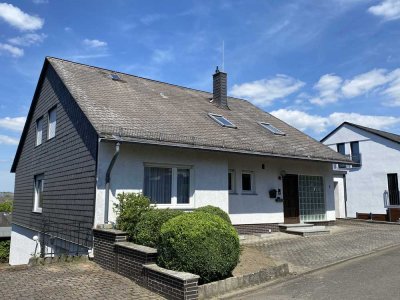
[69, 281]
[347, 240]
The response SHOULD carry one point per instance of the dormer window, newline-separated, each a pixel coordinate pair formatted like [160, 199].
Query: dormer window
[272, 128]
[221, 120]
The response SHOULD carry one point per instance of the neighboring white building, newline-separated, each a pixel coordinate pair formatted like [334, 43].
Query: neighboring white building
[371, 184]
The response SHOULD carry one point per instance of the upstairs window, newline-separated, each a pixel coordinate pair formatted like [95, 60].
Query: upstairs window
[355, 152]
[221, 120]
[39, 131]
[52, 118]
[342, 150]
[38, 193]
[272, 128]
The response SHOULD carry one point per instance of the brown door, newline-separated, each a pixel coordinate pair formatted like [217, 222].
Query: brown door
[291, 211]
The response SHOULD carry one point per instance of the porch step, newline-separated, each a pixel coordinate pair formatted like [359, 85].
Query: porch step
[308, 231]
[284, 227]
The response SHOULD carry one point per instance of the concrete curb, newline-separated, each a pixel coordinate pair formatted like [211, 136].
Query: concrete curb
[221, 287]
[295, 276]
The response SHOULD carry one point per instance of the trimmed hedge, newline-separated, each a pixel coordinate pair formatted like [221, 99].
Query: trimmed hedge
[199, 243]
[129, 209]
[4, 251]
[147, 231]
[214, 211]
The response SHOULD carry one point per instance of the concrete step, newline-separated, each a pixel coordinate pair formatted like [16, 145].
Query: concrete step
[284, 227]
[308, 231]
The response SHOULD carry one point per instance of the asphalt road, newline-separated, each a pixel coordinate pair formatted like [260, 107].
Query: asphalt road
[375, 276]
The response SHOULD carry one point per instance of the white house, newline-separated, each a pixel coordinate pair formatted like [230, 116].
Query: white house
[371, 184]
[92, 133]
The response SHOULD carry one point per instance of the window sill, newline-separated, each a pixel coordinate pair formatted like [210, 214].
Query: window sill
[175, 206]
[249, 194]
[37, 211]
[233, 193]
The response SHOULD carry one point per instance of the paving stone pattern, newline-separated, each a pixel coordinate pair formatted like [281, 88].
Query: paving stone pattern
[349, 239]
[69, 281]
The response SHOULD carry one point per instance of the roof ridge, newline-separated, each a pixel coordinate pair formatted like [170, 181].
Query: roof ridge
[370, 128]
[140, 77]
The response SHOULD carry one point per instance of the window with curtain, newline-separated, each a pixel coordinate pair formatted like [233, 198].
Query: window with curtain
[157, 184]
[167, 185]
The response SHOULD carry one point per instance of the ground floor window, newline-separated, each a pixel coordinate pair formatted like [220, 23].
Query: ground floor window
[38, 193]
[167, 185]
[311, 198]
[248, 186]
[231, 181]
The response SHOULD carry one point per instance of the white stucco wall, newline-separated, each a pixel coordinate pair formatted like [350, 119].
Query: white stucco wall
[366, 185]
[210, 180]
[257, 208]
[339, 194]
[22, 245]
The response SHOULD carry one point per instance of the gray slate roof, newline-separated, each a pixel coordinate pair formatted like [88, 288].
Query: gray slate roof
[147, 111]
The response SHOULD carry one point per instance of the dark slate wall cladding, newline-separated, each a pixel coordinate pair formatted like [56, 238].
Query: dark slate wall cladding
[68, 162]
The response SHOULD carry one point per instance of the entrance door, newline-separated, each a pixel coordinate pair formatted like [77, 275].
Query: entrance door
[291, 212]
[393, 186]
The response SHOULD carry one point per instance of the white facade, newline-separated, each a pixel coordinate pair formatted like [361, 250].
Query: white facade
[209, 179]
[367, 186]
[23, 246]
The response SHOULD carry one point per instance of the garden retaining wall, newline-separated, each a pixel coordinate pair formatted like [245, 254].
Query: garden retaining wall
[136, 262]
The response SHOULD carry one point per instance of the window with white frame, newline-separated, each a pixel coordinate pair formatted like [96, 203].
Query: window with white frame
[170, 186]
[248, 186]
[52, 120]
[39, 131]
[231, 181]
[38, 193]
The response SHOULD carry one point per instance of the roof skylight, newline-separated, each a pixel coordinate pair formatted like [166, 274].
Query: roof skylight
[271, 128]
[221, 120]
[114, 76]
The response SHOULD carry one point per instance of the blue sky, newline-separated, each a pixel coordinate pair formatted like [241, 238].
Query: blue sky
[312, 63]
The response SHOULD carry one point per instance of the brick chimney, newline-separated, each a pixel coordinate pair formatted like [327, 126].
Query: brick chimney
[220, 94]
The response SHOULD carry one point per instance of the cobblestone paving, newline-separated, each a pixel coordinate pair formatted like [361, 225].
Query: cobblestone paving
[69, 281]
[348, 239]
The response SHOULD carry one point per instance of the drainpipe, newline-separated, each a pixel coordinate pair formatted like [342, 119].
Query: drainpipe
[108, 176]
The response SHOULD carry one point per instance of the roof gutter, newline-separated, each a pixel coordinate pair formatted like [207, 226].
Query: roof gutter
[108, 177]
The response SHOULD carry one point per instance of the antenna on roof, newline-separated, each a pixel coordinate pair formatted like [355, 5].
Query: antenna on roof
[223, 56]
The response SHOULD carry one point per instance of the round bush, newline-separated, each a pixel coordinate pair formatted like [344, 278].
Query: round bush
[214, 211]
[199, 243]
[147, 231]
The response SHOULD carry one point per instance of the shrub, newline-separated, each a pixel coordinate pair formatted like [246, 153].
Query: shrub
[4, 251]
[215, 211]
[199, 243]
[6, 206]
[129, 208]
[147, 231]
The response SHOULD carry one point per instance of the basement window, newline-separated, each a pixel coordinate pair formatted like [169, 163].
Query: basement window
[221, 120]
[272, 128]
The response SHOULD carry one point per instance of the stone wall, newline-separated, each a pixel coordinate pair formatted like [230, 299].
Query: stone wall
[136, 262]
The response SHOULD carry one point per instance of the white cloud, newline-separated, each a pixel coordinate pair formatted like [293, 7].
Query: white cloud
[263, 92]
[13, 51]
[393, 89]
[28, 39]
[162, 56]
[302, 120]
[387, 9]
[6, 140]
[328, 87]
[40, 1]
[16, 124]
[364, 83]
[319, 124]
[94, 43]
[19, 19]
